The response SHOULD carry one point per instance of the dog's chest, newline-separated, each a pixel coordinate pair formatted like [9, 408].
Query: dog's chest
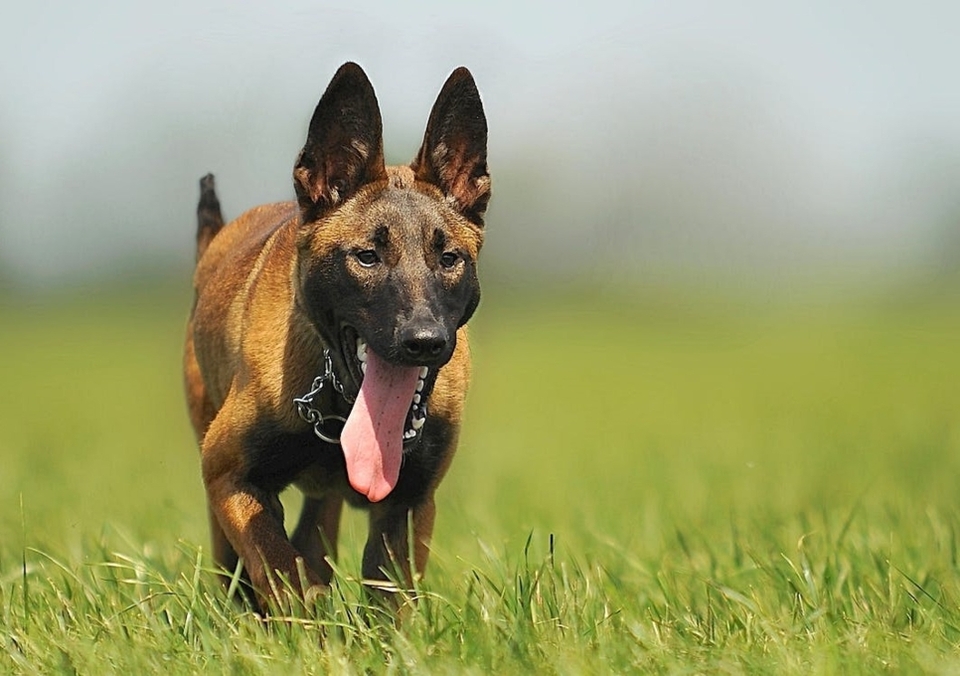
[319, 479]
[276, 458]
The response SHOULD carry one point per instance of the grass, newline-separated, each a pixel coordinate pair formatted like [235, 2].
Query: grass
[650, 487]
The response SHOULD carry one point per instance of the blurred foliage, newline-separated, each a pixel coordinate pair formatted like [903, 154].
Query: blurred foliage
[647, 477]
[635, 399]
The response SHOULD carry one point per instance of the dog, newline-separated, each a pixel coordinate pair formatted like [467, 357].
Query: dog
[327, 344]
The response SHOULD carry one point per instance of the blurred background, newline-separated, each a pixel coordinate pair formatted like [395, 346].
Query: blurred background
[720, 272]
[783, 144]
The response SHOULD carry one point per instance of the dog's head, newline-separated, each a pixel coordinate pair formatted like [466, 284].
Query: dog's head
[387, 267]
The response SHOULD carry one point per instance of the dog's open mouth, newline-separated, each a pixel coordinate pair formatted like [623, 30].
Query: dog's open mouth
[387, 417]
[418, 405]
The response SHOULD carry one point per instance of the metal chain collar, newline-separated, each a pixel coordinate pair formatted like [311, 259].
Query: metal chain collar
[312, 415]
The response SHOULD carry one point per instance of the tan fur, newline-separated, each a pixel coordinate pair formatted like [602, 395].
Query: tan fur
[251, 348]
[248, 354]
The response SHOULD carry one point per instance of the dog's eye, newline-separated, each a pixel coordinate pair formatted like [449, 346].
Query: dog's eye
[449, 259]
[368, 258]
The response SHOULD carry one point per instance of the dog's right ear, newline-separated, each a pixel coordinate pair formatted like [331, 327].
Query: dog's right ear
[344, 148]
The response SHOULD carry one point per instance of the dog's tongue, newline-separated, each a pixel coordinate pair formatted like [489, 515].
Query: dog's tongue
[372, 437]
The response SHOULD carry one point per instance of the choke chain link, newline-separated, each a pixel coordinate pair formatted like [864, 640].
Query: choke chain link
[305, 403]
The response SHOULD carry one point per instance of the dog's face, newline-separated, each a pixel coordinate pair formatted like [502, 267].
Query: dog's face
[387, 257]
[392, 271]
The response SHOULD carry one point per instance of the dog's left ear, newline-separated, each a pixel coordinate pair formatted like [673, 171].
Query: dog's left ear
[454, 152]
[344, 148]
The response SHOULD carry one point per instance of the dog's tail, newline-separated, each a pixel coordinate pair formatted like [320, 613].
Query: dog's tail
[209, 218]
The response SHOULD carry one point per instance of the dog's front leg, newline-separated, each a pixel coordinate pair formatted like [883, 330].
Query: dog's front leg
[316, 533]
[388, 547]
[252, 518]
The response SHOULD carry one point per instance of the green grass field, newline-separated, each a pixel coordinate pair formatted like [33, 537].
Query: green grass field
[642, 487]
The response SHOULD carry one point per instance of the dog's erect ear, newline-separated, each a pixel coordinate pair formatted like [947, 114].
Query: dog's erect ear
[454, 152]
[344, 148]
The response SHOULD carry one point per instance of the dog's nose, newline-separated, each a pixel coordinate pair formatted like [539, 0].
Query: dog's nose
[423, 341]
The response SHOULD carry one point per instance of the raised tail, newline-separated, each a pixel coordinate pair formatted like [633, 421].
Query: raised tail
[209, 218]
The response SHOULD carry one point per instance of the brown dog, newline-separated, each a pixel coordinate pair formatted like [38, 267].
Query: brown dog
[327, 348]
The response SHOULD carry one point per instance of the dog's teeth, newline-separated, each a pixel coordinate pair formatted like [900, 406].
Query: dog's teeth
[423, 372]
[417, 423]
[363, 367]
[409, 434]
[416, 398]
[361, 351]
[419, 386]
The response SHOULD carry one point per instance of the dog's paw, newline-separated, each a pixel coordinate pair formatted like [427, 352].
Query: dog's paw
[314, 594]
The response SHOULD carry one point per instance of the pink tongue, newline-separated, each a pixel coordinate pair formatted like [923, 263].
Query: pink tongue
[372, 438]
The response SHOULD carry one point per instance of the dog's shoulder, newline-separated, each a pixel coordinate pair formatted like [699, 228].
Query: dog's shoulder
[450, 391]
[250, 257]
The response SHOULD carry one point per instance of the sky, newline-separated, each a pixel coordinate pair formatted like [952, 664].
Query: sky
[624, 136]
